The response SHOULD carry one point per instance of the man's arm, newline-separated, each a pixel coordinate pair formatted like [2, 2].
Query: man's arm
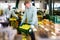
[35, 19]
[24, 17]
[4, 12]
[13, 13]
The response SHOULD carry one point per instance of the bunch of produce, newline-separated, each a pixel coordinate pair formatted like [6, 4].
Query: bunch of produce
[47, 28]
[25, 27]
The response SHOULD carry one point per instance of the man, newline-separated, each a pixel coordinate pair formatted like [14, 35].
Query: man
[11, 32]
[8, 12]
[31, 16]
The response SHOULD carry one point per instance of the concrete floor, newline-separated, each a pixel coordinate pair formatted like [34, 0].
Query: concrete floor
[19, 37]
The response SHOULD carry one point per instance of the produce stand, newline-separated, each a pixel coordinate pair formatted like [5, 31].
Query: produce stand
[46, 28]
[13, 22]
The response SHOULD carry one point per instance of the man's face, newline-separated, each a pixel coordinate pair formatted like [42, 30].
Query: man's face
[9, 6]
[27, 5]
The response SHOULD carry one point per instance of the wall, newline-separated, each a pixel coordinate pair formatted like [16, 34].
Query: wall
[4, 5]
[9, 1]
[21, 5]
[37, 4]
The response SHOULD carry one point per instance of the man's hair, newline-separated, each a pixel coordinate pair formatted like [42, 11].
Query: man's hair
[26, 2]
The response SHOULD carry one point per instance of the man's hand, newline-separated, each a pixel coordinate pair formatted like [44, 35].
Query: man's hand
[17, 18]
[21, 24]
[8, 19]
[33, 28]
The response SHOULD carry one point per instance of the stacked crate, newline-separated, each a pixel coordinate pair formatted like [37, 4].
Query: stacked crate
[47, 28]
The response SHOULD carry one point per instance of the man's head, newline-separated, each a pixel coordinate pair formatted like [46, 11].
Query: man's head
[9, 7]
[27, 4]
